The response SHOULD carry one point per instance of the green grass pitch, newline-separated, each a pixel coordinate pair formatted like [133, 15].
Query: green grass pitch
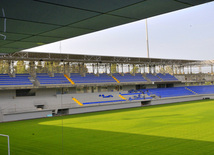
[173, 129]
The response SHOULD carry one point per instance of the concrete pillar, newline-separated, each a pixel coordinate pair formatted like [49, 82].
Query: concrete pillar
[117, 68]
[172, 69]
[106, 68]
[183, 70]
[79, 68]
[13, 71]
[85, 89]
[176, 70]
[68, 68]
[144, 68]
[129, 68]
[63, 63]
[52, 66]
[179, 69]
[110, 69]
[150, 69]
[199, 67]
[93, 68]
[164, 71]
[133, 66]
[122, 70]
[82, 69]
[97, 69]
[44, 70]
[11, 68]
[99, 89]
[32, 68]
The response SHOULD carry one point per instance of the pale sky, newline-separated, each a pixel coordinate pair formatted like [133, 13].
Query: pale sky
[183, 34]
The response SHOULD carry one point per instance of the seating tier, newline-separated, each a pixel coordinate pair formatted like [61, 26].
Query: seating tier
[167, 77]
[130, 78]
[152, 77]
[19, 79]
[91, 78]
[58, 78]
[202, 89]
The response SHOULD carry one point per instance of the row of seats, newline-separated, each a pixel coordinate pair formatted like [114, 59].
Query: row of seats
[152, 77]
[59, 78]
[19, 79]
[91, 78]
[102, 78]
[173, 91]
[169, 92]
[166, 77]
[130, 78]
[202, 89]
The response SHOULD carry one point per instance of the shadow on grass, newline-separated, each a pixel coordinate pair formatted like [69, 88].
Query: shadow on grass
[53, 140]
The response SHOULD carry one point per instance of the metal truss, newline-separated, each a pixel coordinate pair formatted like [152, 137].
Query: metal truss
[74, 58]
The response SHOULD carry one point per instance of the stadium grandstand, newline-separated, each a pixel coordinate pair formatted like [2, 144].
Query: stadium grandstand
[84, 83]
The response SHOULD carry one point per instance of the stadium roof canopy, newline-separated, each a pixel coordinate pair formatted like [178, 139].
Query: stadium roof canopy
[30, 23]
[36, 56]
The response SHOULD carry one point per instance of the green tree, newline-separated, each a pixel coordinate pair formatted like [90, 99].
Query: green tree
[168, 69]
[135, 69]
[56, 66]
[39, 67]
[20, 67]
[1, 66]
[75, 68]
[113, 68]
[48, 66]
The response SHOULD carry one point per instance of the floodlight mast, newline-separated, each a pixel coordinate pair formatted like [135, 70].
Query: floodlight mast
[8, 142]
[147, 38]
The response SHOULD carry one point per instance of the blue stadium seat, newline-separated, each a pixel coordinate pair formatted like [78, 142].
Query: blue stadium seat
[167, 77]
[129, 78]
[161, 92]
[45, 79]
[202, 89]
[169, 92]
[19, 79]
[152, 77]
[91, 78]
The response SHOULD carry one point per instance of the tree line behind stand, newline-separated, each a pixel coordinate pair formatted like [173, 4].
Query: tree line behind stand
[21, 66]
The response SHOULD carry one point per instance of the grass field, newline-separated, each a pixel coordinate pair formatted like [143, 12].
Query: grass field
[181, 128]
